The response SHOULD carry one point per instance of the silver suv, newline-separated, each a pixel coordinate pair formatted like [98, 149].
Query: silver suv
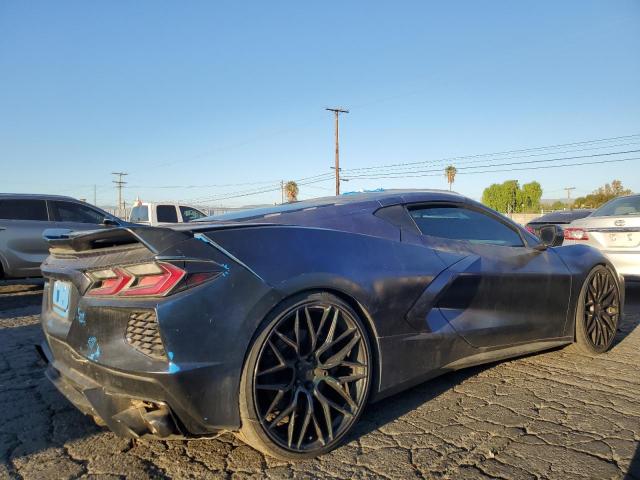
[24, 217]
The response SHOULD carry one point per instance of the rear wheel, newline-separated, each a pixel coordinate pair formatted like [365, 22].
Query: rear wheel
[598, 311]
[306, 379]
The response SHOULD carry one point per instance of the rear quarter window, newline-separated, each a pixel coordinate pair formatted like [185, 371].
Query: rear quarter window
[18, 209]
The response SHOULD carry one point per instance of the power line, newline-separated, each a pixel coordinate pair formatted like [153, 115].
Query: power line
[444, 162]
[526, 168]
[376, 176]
[507, 152]
[258, 192]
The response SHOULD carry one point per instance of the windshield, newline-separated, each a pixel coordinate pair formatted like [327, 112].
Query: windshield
[619, 206]
[139, 214]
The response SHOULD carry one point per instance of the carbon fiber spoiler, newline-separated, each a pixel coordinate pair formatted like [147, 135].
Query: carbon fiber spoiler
[156, 239]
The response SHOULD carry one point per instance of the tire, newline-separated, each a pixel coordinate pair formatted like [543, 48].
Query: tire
[306, 379]
[598, 311]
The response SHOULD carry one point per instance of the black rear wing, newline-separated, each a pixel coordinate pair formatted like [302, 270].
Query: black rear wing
[156, 239]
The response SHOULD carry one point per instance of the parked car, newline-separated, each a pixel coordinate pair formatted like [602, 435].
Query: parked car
[149, 213]
[614, 229]
[24, 217]
[282, 323]
[561, 218]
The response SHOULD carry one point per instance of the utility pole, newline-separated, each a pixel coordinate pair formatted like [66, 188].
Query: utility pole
[568, 189]
[94, 195]
[337, 112]
[281, 191]
[119, 184]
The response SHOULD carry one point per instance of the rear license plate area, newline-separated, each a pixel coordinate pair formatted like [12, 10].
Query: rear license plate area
[61, 298]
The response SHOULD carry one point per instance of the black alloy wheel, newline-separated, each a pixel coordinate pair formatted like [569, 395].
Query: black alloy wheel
[599, 311]
[310, 377]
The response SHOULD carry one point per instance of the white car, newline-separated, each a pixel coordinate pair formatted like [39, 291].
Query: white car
[148, 213]
[614, 229]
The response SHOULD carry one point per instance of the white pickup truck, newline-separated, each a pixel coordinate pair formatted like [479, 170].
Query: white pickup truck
[148, 213]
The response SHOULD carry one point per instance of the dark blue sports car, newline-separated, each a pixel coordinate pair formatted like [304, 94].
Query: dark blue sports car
[281, 324]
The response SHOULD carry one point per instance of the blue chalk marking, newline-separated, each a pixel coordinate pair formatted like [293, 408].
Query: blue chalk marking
[81, 317]
[173, 368]
[94, 349]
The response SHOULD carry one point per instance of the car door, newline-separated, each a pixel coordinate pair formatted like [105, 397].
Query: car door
[75, 216]
[502, 291]
[22, 248]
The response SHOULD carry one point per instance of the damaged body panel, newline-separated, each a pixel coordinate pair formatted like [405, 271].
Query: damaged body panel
[152, 330]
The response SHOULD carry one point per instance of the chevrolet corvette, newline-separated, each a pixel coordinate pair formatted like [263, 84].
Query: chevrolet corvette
[281, 324]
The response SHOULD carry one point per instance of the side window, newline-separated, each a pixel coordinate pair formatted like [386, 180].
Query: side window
[18, 209]
[190, 214]
[458, 223]
[167, 213]
[76, 213]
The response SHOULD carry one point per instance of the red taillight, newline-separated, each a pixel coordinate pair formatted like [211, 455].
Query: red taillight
[148, 279]
[530, 229]
[109, 282]
[575, 234]
[156, 284]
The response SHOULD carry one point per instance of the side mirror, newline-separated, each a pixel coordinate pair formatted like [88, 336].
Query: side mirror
[109, 222]
[551, 236]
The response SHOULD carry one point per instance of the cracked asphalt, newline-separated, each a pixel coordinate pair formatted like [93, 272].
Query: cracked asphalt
[558, 414]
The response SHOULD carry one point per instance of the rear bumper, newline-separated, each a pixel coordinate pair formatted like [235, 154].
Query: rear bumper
[130, 405]
[627, 263]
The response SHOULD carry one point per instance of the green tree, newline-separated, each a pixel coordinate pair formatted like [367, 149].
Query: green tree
[450, 173]
[530, 197]
[508, 197]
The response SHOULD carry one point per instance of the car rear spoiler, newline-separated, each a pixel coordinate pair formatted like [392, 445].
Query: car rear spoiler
[154, 238]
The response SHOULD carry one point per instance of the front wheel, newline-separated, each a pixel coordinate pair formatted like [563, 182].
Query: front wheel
[598, 311]
[306, 379]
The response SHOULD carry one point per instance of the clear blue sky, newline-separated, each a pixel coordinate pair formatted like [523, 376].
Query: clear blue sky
[217, 93]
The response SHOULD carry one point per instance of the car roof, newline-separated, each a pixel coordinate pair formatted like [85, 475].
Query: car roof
[36, 196]
[562, 216]
[355, 201]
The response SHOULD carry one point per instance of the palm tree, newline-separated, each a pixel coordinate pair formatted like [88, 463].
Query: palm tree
[291, 190]
[450, 174]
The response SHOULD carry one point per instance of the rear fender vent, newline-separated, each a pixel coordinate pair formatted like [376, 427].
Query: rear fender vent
[143, 335]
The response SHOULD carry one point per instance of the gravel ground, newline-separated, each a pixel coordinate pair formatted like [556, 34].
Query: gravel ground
[553, 415]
